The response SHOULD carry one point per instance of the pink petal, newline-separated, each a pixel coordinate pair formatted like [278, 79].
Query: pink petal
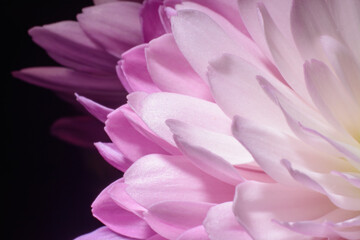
[156, 178]
[150, 19]
[132, 144]
[106, 24]
[156, 108]
[170, 219]
[211, 152]
[102, 233]
[118, 219]
[258, 204]
[133, 72]
[69, 45]
[75, 130]
[197, 233]
[220, 223]
[95, 109]
[112, 155]
[171, 72]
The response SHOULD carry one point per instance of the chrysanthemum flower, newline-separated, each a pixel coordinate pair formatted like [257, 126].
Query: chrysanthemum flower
[243, 122]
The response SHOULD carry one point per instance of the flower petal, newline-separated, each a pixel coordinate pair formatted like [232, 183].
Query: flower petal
[156, 178]
[220, 223]
[114, 26]
[113, 156]
[95, 109]
[102, 233]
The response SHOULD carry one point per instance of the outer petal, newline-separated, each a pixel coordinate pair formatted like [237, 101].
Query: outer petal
[171, 219]
[67, 43]
[150, 19]
[95, 109]
[171, 72]
[157, 178]
[156, 108]
[118, 219]
[132, 144]
[101, 234]
[257, 204]
[112, 155]
[220, 223]
[75, 130]
[114, 26]
[133, 72]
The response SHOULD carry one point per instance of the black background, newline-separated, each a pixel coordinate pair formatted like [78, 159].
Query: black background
[49, 185]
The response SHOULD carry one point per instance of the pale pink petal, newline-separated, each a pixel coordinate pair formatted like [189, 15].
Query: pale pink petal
[69, 45]
[171, 218]
[150, 20]
[156, 108]
[133, 72]
[338, 190]
[141, 127]
[258, 204]
[197, 233]
[118, 219]
[212, 152]
[285, 54]
[132, 144]
[102, 233]
[269, 146]
[343, 62]
[113, 156]
[75, 130]
[179, 181]
[114, 26]
[280, 12]
[206, 40]
[309, 21]
[227, 9]
[353, 178]
[170, 71]
[233, 80]
[97, 110]
[220, 223]
[346, 15]
[332, 99]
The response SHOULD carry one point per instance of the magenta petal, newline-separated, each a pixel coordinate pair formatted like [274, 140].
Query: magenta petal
[97, 110]
[133, 72]
[113, 156]
[118, 219]
[151, 23]
[170, 219]
[114, 26]
[75, 130]
[68, 44]
[102, 234]
[67, 80]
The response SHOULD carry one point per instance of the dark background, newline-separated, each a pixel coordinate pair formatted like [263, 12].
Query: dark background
[49, 184]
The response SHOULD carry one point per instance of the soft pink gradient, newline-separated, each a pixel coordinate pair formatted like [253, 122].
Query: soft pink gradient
[242, 122]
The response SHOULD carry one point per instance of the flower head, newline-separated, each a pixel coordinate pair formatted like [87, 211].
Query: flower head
[242, 122]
